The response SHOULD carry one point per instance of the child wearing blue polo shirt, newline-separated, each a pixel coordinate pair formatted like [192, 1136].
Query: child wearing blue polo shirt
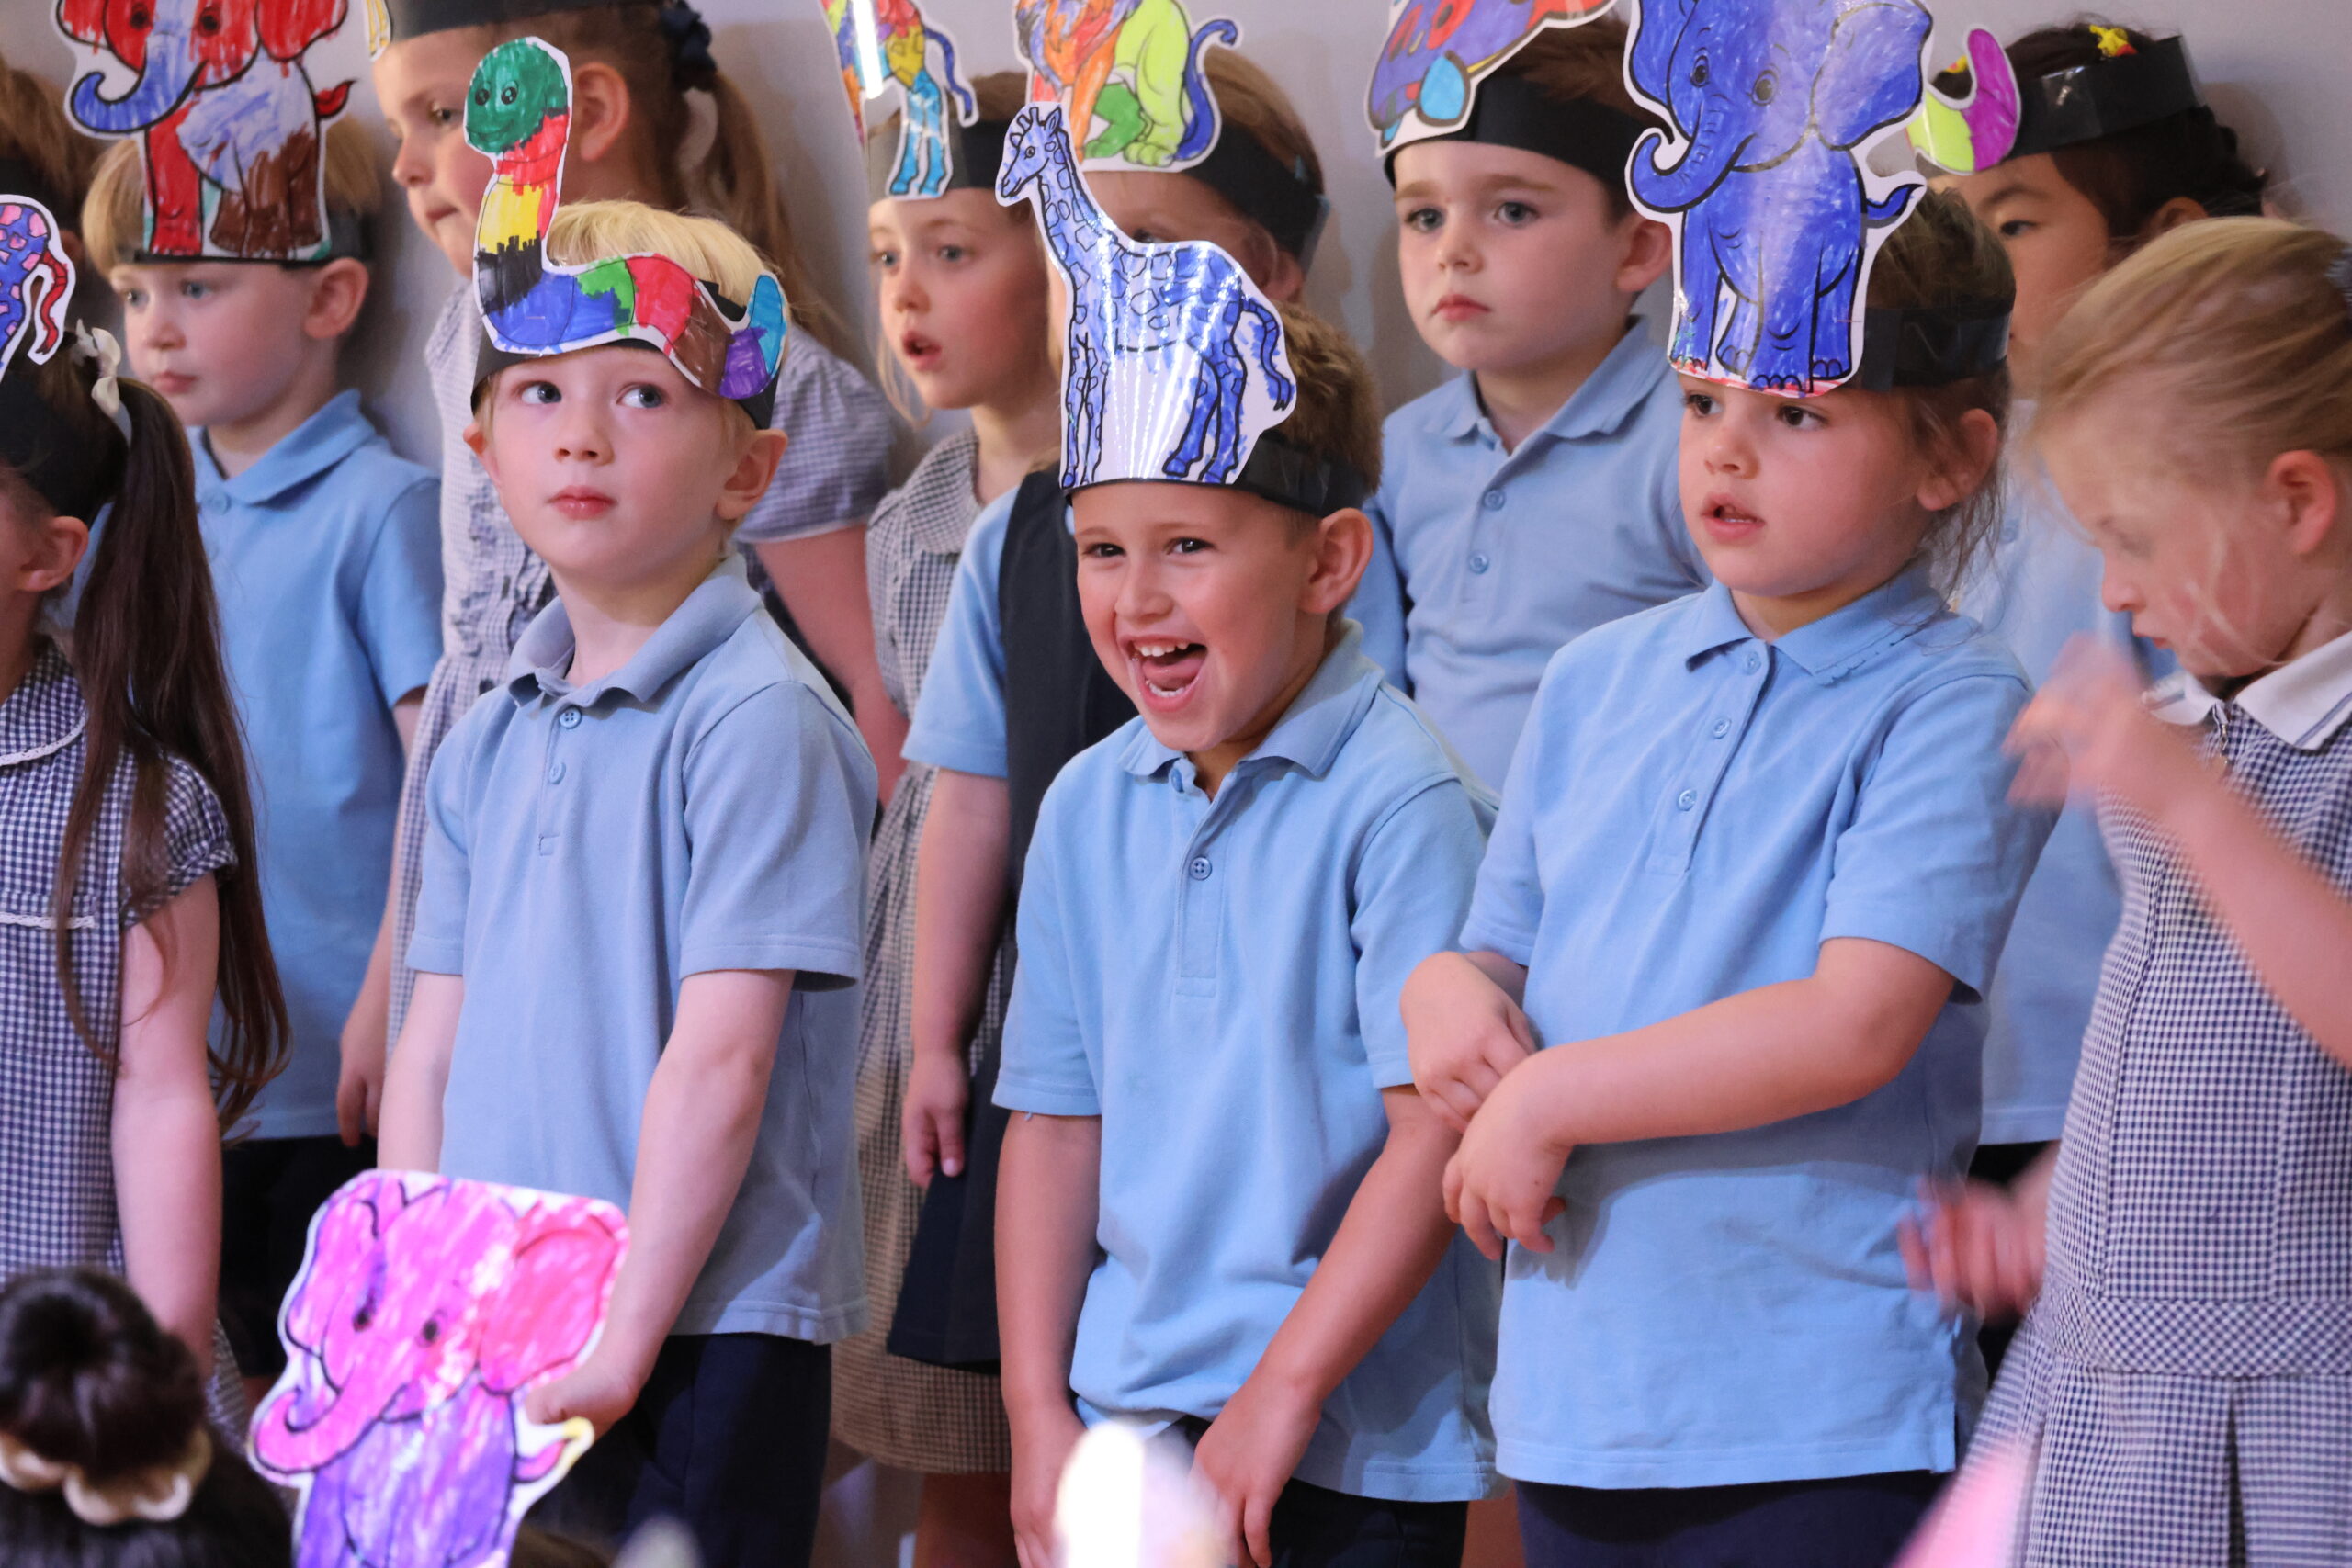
[1715, 1019]
[1531, 498]
[325, 549]
[636, 943]
[1219, 1209]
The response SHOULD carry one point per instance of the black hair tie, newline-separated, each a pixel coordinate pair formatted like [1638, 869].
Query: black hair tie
[692, 66]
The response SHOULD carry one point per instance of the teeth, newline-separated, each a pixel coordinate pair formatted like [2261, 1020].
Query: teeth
[1158, 649]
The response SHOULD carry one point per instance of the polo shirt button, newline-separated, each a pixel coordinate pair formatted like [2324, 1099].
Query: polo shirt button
[1687, 799]
[569, 719]
[1722, 727]
[1479, 563]
[1200, 869]
[555, 774]
[1754, 662]
[1492, 500]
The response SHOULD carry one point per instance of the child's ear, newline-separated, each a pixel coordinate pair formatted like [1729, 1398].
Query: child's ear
[755, 464]
[1342, 550]
[1967, 463]
[478, 439]
[2313, 494]
[54, 549]
[600, 110]
[2180, 210]
[338, 292]
[1649, 250]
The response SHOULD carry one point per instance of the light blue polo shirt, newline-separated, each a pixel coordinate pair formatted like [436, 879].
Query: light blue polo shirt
[959, 719]
[2040, 592]
[326, 561]
[1487, 562]
[703, 807]
[1217, 979]
[1693, 813]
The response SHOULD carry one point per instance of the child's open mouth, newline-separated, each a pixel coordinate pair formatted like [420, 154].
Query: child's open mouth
[1727, 520]
[1166, 671]
[919, 353]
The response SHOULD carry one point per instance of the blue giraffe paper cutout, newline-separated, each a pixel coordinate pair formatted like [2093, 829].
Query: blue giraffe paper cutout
[36, 281]
[1156, 383]
[1777, 106]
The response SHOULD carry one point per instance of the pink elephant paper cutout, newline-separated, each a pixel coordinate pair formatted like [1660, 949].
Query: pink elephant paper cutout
[425, 1308]
[232, 132]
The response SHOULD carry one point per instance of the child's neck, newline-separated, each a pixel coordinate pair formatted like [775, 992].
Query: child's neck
[1522, 398]
[1015, 437]
[238, 444]
[610, 622]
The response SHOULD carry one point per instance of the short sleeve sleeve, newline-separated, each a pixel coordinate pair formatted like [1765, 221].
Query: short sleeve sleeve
[959, 719]
[195, 840]
[438, 944]
[1379, 603]
[1045, 1068]
[836, 468]
[398, 613]
[1507, 904]
[779, 796]
[1936, 856]
[1412, 886]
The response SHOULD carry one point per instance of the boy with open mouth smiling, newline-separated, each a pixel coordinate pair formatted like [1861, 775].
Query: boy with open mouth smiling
[1217, 1208]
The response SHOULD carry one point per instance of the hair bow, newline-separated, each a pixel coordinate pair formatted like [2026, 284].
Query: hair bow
[95, 345]
[692, 64]
[159, 1493]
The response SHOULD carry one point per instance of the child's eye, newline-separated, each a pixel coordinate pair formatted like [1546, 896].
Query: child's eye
[134, 299]
[1796, 416]
[886, 260]
[1101, 552]
[1145, 237]
[1424, 220]
[1187, 546]
[2016, 227]
[1699, 405]
[442, 114]
[644, 396]
[191, 289]
[538, 392]
[1516, 213]
[953, 254]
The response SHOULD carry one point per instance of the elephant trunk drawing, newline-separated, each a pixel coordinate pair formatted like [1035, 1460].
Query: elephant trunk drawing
[169, 70]
[1705, 159]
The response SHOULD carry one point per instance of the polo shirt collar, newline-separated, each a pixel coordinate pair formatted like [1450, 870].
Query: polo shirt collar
[708, 617]
[1840, 642]
[1310, 733]
[2304, 704]
[1607, 400]
[44, 713]
[309, 449]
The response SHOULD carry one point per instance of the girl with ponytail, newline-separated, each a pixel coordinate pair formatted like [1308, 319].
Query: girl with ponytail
[639, 68]
[128, 906]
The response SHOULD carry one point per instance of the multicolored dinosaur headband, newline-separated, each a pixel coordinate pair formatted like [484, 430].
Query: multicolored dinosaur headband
[1435, 74]
[1173, 364]
[232, 134]
[882, 43]
[518, 113]
[1777, 107]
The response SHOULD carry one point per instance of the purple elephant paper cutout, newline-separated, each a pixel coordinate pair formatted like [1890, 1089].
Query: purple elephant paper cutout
[1766, 177]
[425, 1308]
[1439, 50]
[232, 132]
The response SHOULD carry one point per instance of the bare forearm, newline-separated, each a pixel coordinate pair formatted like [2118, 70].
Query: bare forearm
[168, 1192]
[1389, 1243]
[418, 1075]
[821, 580]
[1048, 1183]
[959, 905]
[2292, 925]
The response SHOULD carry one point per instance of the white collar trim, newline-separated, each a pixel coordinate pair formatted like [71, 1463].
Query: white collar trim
[2304, 704]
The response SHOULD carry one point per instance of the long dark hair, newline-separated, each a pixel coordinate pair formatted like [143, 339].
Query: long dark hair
[146, 648]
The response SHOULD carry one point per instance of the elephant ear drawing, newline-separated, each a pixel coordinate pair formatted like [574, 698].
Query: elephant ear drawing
[351, 1226]
[542, 1317]
[1869, 75]
[1649, 54]
[289, 26]
[85, 20]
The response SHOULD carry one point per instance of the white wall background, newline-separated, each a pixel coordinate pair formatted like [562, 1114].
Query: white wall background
[2273, 68]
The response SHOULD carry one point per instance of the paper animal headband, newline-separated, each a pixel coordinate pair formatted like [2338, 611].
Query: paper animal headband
[427, 1308]
[1173, 364]
[518, 112]
[2126, 87]
[232, 134]
[68, 463]
[884, 43]
[1777, 106]
[1433, 79]
[389, 20]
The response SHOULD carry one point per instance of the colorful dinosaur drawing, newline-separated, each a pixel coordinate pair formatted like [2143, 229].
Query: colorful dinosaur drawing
[518, 112]
[1967, 135]
[1439, 50]
[1136, 66]
[36, 280]
[1153, 340]
[882, 41]
[226, 133]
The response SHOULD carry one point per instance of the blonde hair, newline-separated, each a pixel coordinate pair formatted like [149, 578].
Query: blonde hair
[734, 180]
[33, 127]
[2234, 327]
[1337, 416]
[114, 220]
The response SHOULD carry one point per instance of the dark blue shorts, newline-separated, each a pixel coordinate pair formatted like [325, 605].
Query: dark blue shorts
[1857, 1521]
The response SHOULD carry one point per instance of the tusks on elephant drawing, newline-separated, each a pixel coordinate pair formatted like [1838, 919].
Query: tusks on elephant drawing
[1776, 107]
[232, 132]
[425, 1308]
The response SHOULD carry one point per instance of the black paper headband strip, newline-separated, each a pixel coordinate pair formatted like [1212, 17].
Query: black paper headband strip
[415, 18]
[1932, 347]
[1282, 473]
[2117, 94]
[1511, 111]
[1240, 169]
[761, 405]
[975, 153]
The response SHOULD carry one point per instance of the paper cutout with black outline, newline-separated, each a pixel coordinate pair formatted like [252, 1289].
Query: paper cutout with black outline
[1134, 67]
[886, 43]
[1439, 52]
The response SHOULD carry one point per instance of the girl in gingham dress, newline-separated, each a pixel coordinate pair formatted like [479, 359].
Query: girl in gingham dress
[2182, 1389]
[803, 531]
[126, 909]
[964, 289]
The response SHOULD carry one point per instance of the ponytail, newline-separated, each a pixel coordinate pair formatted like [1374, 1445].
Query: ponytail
[147, 652]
